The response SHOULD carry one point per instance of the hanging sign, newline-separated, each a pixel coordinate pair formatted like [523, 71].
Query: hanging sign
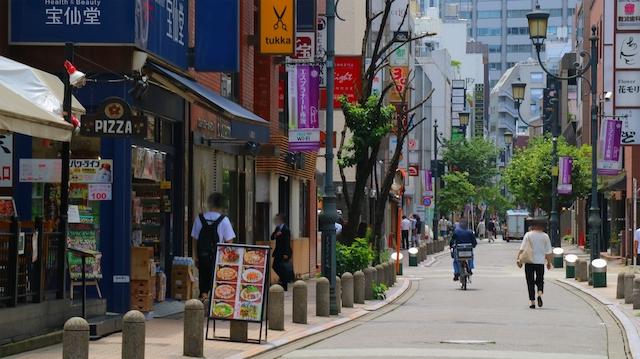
[114, 119]
[609, 148]
[628, 15]
[304, 91]
[414, 170]
[564, 179]
[277, 27]
[627, 50]
[627, 88]
[6, 160]
[305, 46]
[428, 186]
[347, 80]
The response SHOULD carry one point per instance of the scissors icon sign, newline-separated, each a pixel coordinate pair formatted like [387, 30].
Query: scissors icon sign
[279, 16]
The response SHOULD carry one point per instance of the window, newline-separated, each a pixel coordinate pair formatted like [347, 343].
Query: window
[518, 13]
[465, 14]
[518, 48]
[495, 66]
[511, 64]
[495, 48]
[555, 12]
[518, 31]
[537, 77]
[489, 31]
[489, 14]
[535, 98]
[571, 11]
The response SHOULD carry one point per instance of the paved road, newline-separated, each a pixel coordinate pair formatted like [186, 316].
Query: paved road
[491, 320]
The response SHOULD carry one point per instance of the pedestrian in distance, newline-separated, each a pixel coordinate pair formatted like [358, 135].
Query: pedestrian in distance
[209, 229]
[412, 234]
[418, 231]
[481, 229]
[636, 243]
[491, 228]
[405, 226]
[535, 251]
[282, 264]
[443, 226]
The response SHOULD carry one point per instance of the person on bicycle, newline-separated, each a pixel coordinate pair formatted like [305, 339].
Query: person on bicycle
[461, 235]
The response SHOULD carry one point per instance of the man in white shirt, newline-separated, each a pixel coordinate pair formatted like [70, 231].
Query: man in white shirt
[215, 221]
[636, 241]
[405, 226]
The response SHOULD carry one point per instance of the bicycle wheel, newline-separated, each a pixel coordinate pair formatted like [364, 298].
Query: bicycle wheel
[463, 281]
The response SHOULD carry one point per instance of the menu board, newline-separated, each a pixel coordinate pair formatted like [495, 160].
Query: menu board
[240, 275]
[83, 235]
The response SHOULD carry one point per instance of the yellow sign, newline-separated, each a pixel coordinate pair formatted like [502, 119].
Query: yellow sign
[277, 27]
[165, 185]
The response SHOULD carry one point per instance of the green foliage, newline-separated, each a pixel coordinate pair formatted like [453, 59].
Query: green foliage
[457, 192]
[354, 257]
[477, 157]
[528, 175]
[456, 63]
[379, 291]
[492, 197]
[368, 124]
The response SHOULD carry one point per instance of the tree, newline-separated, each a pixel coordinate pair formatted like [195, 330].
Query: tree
[477, 157]
[493, 199]
[528, 175]
[457, 192]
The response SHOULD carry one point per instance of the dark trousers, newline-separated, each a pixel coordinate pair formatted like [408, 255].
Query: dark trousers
[535, 278]
[205, 269]
[405, 239]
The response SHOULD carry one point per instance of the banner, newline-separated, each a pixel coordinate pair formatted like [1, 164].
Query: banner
[347, 80]
[565, 165]
[609, 148]
[304, 94]
[428, 186]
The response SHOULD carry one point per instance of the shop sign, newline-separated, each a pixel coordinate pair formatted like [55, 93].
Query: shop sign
[630, 125]
[209, 124]
[628, 15]
[376, 83]
[609, 148]
[304, 124]
[165, 184]
[321, 46]
[400, 56]
[7, 208]
[6, 160]
[627, 50]
[627, 88]
[40, 170]
[305, 46]
[412, 144]
[100, 192]
[399, 76]
[277, 27]
[114, 119]
[218, 48]
[347, 80]
[427, 182]
[414, 170]
[90, 171]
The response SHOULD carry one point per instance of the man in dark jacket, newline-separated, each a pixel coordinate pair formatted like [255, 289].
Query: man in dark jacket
[461, 235]
[282, 264]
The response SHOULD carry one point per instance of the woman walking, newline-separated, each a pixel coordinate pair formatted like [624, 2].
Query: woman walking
[535, 250]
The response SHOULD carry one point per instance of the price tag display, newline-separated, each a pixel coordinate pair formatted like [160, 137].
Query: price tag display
[99, 192]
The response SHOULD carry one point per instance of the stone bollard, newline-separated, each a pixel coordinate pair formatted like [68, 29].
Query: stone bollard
[582, 270]
[374, 276]
[620, 286]
[193, 336]
[628, 287]
[358, 287]
[423, 252]
[347, 290]
[379, 274]
[338, 294]
[390, 274]
[275, 311]
[75, 339]
[322, 297]
[394, 273]
[300, 302]
[133, 333]
[385, 273]
[368, 283]
[429, 248]
[636, 293]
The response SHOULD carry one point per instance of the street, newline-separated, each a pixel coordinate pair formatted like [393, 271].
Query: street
[490, 320]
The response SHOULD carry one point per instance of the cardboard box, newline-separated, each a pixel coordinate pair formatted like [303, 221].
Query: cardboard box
[142, 287]
[142, 263]
[182, 290]
[143, 303]
[182, 273]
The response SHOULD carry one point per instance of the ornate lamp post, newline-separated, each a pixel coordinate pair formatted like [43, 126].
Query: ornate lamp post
[464, 121]
[538, 21]
[508, 140]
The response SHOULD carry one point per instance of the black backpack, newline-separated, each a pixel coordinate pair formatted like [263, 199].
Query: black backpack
[208, 237]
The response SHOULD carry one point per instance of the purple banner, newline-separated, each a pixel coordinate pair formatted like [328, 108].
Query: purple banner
[565, 165]
[609, 148]
[426, 177]
[304, 95]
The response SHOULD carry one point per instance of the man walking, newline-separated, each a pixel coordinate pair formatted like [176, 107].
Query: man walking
[636, 242]
[282, 264]
[405, 226]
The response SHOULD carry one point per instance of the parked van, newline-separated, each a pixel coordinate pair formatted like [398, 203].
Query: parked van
[516, 227]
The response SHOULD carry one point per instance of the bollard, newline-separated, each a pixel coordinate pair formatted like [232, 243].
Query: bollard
[423, 253]
[374, 276]
[347, 290]
[386, 274]
[379, 274]
[394, 275]
[599, 273]
[358, 287]
[413, 257]
[193, 336]
[275, 311]
[636, 293]
[582, 270]
[368, 283]
[75, 339]
[338, 294]
[322, 297]
[620, 286]
[557, 257]
[133, 332]
[628, 287]
[300, 302]
[430, 248]
[570, 268]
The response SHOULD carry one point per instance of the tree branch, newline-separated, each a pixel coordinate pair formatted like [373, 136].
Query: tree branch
[343, 177]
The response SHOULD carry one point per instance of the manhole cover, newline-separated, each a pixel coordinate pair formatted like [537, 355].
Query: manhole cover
[467, 341]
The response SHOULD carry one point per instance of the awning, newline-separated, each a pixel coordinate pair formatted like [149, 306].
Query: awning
[31, 102]
[245, 125]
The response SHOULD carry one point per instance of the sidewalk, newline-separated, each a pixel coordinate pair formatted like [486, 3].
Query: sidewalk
[164, 336]
[626, 315]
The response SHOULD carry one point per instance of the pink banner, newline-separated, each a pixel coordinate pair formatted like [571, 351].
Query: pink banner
[609, 148]
[426, 177]
[564, 179]
[304, 95]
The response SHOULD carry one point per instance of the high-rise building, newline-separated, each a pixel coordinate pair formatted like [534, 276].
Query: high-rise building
[502, 25]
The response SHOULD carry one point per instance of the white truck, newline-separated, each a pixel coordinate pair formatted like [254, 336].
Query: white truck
[516, 224]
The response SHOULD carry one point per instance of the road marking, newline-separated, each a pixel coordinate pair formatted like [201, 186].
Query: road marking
[475, 342]
[433, 353]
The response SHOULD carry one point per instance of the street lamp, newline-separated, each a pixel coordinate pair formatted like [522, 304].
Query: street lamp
[464, 121]
[517, 92]
[538, 21]
[435, 171]
[508, 140]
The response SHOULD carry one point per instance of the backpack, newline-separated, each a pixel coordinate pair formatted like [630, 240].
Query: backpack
[208, 237]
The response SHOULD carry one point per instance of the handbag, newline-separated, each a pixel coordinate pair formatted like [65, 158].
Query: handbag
[527, 253]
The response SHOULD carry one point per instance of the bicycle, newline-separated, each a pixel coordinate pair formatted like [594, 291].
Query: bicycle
[463, 255]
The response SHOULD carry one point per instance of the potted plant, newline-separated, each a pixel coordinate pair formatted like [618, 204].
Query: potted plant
[614, 244]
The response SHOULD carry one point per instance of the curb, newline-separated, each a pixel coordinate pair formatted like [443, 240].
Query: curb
[631, 330]
[432, 259]
[263, 348]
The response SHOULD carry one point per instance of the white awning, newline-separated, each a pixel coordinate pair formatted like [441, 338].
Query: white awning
[31, 102]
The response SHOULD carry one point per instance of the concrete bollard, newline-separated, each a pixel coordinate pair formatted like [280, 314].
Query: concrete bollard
[275, 311]
[75, 339]
[133, 333]
[368, 283]
[322, 297]
[628, 287]
[429, 248]
[338, 294]
[620, 286]
[193, 336]
[379, 274]
[582, 270]
[394, 274]
[358, 287]
[374, 276]
[300, 302]
[385, 273]
[636, 293]
[347, 290]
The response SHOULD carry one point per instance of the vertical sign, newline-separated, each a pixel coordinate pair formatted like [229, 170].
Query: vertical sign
[627, 70]
[628, 50]
[564, 179]
[478, 107]
[6, 160]
[277, 27]
[428, 185]
[609, 149]
[628, 15]
[305, 46]
[399, 76]
[321, 46]
[304, 126]
[347, 80]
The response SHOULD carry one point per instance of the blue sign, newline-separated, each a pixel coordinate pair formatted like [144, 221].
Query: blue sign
[426, 201]
[157, 26]
[217, 36]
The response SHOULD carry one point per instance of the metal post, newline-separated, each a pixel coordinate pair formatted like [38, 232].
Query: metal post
[434, 203]
[64, 179]
[553, 218]
[595, 221]
[329, 212]
[634, 253]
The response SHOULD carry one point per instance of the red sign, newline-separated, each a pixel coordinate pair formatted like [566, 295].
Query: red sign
[414, 170]
[347, 80]
[399, 76]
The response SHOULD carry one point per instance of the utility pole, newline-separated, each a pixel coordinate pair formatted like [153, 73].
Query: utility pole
[329, 212]
[554, 220]
[436, 217]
